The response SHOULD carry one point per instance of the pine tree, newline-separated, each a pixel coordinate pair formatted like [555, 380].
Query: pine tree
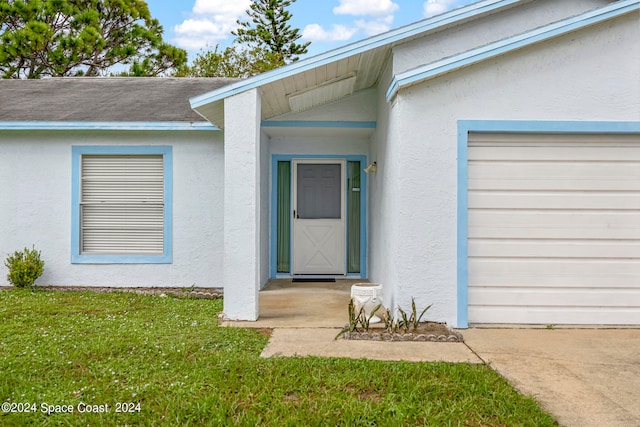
[269, 30]
[41, 38]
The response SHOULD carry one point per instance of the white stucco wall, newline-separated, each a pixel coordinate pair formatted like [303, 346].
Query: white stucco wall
[336, 142]
[498, 26]
[589, 75]
[242, 205]
[35, 207]
[383, 225]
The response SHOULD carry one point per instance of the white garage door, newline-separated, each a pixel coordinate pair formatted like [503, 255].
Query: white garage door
[554, 229]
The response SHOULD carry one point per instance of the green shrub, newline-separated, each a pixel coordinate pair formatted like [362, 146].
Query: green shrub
[24, 267]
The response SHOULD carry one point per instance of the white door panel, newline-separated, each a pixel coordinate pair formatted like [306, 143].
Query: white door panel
[319, 240]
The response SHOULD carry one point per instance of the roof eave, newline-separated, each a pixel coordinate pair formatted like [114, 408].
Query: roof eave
[386, 39]
[129, 126]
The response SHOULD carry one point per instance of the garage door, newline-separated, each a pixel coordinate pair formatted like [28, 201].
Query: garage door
[554, 229]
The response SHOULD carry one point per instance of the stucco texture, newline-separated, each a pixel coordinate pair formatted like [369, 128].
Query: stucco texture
[35, 200]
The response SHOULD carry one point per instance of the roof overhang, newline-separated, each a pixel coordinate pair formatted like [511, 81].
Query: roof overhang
[365, 59]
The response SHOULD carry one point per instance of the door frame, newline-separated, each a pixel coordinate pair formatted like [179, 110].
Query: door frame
[275, 158]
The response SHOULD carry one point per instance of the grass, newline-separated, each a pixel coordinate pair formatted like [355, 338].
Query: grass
[168, 357]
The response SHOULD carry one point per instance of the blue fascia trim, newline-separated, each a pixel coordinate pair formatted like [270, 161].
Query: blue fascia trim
[510, 44]
[547, 126]
[318, 124]
[163, 126]
[506, 126]
[76, 154]
[275, 158]
[386, 39]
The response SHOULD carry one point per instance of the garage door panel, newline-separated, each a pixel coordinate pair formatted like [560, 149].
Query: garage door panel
[558, 143]
[556, 315]
[555, 297]
[527, 224]
[553, 183]
[540, 248]
[554, 200]
[589, 273]
[554, 228]
[537, 171]
[624, 152]
[498, 232]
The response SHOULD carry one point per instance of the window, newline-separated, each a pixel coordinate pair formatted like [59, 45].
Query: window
[121, 205]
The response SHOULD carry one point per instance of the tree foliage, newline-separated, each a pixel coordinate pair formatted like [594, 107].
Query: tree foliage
[269, 29]
[234, 61]
[40, 38]
[265, 43]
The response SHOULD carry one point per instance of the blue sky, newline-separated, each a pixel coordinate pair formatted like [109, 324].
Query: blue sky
[195, 24]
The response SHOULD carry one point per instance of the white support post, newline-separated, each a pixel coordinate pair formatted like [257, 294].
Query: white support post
[242, 118]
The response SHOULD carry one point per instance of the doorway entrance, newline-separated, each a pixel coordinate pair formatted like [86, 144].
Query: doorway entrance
[319, 217]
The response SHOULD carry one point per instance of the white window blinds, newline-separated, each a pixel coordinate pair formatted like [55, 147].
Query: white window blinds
[122, 204]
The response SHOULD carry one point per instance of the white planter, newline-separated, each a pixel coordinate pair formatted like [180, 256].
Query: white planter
[367, 295]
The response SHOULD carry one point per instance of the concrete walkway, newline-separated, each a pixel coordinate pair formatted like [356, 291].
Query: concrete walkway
[583, 377]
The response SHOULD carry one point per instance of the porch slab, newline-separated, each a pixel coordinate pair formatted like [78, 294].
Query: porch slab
[306, 317]
[288, 342]
[284, 304]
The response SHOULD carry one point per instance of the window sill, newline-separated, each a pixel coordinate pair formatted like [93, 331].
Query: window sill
[121, 259]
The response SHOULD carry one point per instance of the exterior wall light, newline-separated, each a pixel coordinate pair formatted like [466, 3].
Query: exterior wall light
[372, 168]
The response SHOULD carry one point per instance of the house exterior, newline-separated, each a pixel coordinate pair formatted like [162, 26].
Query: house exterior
[506, 186]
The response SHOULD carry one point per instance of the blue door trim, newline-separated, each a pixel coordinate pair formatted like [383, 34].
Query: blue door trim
[275, 158]
[506, 126]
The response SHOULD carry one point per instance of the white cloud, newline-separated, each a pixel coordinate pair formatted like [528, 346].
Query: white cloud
[221, 7]
[212, 21]
[371, 28]
[366, 7]
[337, 33]
[380, 13]
[436, 7]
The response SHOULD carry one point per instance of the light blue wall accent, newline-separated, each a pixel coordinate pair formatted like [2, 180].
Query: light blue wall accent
[318, 124]
[385, 39]
[165, 126]
[167, 256]
[462, 238]
[506, 126]
[446, 65]
[274, 203]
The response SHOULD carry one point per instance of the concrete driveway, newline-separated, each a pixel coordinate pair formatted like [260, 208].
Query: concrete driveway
[584, 377]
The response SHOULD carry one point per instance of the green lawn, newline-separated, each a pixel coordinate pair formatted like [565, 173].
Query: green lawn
[166, 360]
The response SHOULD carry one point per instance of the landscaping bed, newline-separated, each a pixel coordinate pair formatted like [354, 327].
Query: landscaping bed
[426, 331]
[191, 292]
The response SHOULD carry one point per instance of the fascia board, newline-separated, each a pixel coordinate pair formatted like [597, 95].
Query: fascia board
[510, 44]
[147, 126]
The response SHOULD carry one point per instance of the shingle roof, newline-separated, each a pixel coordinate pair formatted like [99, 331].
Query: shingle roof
[100, 99]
